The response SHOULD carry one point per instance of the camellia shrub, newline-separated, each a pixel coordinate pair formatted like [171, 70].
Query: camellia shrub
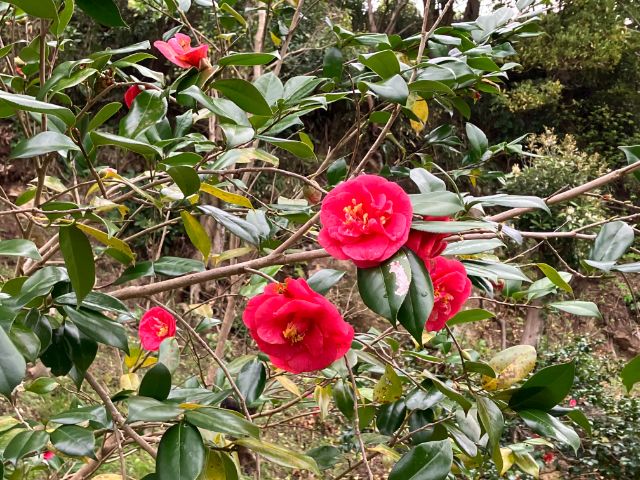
[131, 333]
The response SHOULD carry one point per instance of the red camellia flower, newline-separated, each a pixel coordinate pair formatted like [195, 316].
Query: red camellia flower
[131, 94]
[366, 220]
[48, 455]
[428, 245]
[156, 325]
[548, 457]
[178, 50]
[299, 329]
[573, 402]
[451, 288]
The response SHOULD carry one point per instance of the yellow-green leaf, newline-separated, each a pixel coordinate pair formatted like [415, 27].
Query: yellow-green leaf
[511, 366]
[389, 387]
[225, 196]
[553, 275]
[322, 396]
[288, 385]
[107, 240]
[421, 110]
[508, 458]
[280, 455]
[196, 233]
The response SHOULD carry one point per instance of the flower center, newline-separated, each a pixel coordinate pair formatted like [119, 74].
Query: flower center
[355, 215]
[281, 288]
[291, 334]
[443, 297]
[162, 331]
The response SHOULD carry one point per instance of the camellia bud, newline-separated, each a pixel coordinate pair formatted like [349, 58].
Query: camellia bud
[312, 194]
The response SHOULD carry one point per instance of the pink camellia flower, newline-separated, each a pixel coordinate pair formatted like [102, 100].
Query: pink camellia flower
[131, 94]
[573, 402]
[178, 50]
[366, 219]
[48, 455]
[451, 288]
[299, 329]
[428, 245]
[156, 325]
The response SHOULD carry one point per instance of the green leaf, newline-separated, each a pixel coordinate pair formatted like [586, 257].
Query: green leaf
[78, 258]
[579, 418]
[426, 181]
[105, 12]
[631, 373]
[632, 152]
[156, 383]
[450, 227]
[64, 17]
[437, 204]
[384, 288]
[279, 455]
[74, 441]
[546, 389]
[553, 275]
[393, 89]
[478, 143]
[493, 422]
[181, 454]
[337, 171]
[471, 247]
[104, 138]
[104, 114]
[97, 301]
[427, 461]
[390, 417]
[99, 327]
[418, 303]
[384, 63]
[324, 279]
[186, 179]
[243, 94]
[219, 465]
[468, 316]
[30, 104]
[108, 240]
[239, 227]
[12, 365]
[345, 399]
[151, 410]
[42, 143]
[248, 59]
[222, 421]
[515, 201]
[19, 248]
[37, 8]
[148, 108]
[548, 426]
[612, 242]
[177, 266]
[42, 385]
[252, 380]
[578, 307]
[332, 63]
[299, 149]
[388, 388]
[24, 443]
[196, 233]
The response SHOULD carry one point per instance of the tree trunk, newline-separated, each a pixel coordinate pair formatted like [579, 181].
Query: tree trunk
[472, 11]
[533, 326]
[372, 17]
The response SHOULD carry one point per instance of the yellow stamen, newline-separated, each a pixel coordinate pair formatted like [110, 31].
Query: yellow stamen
[162, 331]
[291, 334]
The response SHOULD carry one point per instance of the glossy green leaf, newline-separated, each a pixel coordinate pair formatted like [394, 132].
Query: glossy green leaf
[177, 266]
[548, 426]
[104, 114]
[42, 385]
[332, 63]
[222, 421]
[279, 455]
[631, 373]
[37, 8]
[337, 171]
[478, 143]
[19, 248]
[74, 441]
[104, 138]
[578, 307]
[468, 316]
[322, 280]
[30, 104]
[105, 12]
[78, 258]
[244, 95]
[612, 242]
[427, 461]
[248, 59]
[186, 179]
[384, 63]
[390, 417]
[394, 89]
[236, 225]
[471, 247]
[437, 204]
[12, 365]
[42, 143]
[98, 301]
[546, 389]
[492, 420]
[156, 383]
[344, 398]
[553, 275]
[299, 149]
[181, 453]
[384, 288]
[148, 108]
[24, 443]
[418, 303]
[252, 380]
[99, 327]
[151, 410]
